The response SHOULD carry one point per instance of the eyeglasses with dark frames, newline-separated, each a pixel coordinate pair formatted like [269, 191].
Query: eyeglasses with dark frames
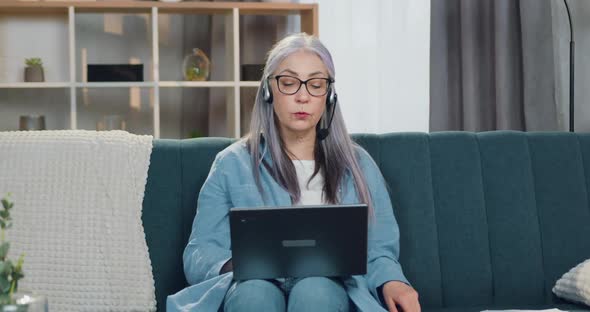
[290, 85]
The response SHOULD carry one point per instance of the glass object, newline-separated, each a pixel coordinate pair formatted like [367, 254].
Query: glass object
[315, 86]
[195, 66]
[32, 122]
[25, 301]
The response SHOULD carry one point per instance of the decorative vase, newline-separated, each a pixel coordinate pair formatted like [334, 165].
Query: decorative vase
[25, 301]
[195, 66]
[34, 74]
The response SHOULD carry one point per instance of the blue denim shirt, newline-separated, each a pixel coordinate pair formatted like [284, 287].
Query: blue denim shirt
[231, 184]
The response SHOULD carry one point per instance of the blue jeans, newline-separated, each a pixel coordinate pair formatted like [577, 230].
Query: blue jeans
[308, 294]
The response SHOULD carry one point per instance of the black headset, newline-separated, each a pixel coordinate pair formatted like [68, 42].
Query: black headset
[331, 101]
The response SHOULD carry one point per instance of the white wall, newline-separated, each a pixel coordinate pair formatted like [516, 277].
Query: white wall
[381, 50]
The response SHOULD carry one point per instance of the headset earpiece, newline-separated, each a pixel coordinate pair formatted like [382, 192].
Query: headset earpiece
[331, 99]
[266, 91]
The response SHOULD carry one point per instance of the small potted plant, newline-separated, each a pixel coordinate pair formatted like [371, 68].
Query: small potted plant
[34, 70]
[10, 273]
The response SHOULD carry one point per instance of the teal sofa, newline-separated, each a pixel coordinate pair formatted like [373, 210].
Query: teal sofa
[487, 221]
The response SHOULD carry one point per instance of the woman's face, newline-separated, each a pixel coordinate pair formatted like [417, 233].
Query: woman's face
[299, 113]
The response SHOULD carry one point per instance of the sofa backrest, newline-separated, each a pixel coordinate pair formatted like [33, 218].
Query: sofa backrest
[177, 170]
[487, 218]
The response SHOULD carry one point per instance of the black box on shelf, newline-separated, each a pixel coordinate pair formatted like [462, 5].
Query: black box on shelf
[115, 72]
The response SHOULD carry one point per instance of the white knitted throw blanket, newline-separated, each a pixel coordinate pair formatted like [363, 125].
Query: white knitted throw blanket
[575, 284]
[77, 217]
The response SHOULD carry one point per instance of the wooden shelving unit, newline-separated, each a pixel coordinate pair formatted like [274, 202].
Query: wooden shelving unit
[230, 10]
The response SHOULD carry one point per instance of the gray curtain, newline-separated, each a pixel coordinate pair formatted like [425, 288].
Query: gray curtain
[493, 66]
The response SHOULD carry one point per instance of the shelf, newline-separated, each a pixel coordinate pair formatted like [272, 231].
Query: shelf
[25, 85]
[201, 84]
[155, 30]
[249, 84]
[100, 108]
[52, 103]
[13, 6]
[147, 84]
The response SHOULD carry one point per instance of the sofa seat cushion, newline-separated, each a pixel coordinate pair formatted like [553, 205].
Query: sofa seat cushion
[562, 307]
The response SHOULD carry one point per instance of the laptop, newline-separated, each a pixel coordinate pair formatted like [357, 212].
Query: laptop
[299, 241]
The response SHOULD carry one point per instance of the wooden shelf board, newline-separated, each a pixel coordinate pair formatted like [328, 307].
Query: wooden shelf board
[198, 84]
[250, 84]
[256, 8]
[35, 85]
[142, 84]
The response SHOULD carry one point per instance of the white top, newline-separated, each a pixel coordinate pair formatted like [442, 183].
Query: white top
[310, 194]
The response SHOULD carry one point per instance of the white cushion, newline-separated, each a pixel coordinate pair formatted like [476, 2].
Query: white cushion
[575, 284]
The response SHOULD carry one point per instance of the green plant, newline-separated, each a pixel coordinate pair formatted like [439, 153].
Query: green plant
[10, 273]
[34, 61]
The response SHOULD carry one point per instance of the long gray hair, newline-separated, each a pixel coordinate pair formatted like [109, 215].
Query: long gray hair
[333, 155]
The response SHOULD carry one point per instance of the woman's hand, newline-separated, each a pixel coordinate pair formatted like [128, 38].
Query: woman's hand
[398, 293]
